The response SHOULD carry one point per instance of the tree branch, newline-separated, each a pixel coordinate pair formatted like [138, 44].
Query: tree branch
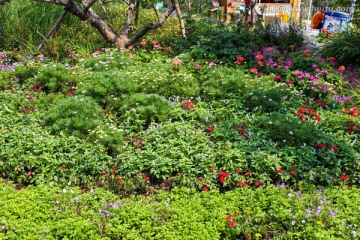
[88, 6]
[52, 30]
[129, 16]
[58, 2]
[151, 26]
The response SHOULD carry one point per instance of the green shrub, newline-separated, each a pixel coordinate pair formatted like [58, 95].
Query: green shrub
[345, 48]
[30, 155]
[288, 130]
[222, 83]
[73, 115]
[147, 107]
[55, 78]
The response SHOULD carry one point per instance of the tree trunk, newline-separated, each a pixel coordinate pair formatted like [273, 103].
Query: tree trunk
[121, 40]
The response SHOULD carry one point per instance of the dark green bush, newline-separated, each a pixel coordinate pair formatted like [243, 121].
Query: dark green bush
[56, 78]
[286, 129]
[345, 48]
[147, 107]
[73, 115]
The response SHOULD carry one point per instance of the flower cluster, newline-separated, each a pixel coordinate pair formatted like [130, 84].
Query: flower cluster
[307, 113]
[353, 112]
[242, 130]
[186, 104]
[322, 146]
[352, 127]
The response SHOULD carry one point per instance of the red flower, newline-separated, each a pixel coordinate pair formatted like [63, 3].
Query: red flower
[237, 171]
[254, 70]
[247, 2]
[279, 170]
[259, 57]
[248, 173]
[229, 4]
[244, 124]
[247, 237]
[317, 117]
[302, 117]
[222, 176]
[212, 169]
[257, 184]
[334, 148]
[307, 103]
[119, 180]
[345, 177]
[102, 173]
[292, 172]
[341, 68]
[228, 217]
[29, 173]
[205, 188]
[235, 128]
[200, 178]
[321, 145]
[63, 166]
[231, 224]
[239, 60]
[210, 129]
[242, 130]
[331, 58]
[236, 213]
[317, 101]
[241, 184]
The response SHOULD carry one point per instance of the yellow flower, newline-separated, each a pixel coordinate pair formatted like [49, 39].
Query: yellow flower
[257, 235]
[319, 222]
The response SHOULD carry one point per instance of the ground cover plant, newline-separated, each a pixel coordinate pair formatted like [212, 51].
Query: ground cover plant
[219, 144]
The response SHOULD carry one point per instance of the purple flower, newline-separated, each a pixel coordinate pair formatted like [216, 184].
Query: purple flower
[314, 65]
[293, 222]
[3, 55]
[318, 210]
[332, 213]
[324, 71]
[317, 70]
[326, 88]
[308, 213]
[289, 63]
[298, 193]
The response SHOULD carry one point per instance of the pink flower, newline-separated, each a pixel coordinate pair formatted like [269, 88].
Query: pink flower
[29, 173]
[176, 63]
[341, 68]
[289, 81]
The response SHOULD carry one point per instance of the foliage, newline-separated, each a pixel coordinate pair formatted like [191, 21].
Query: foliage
[276, 212]
[73, 115]
[345, 47]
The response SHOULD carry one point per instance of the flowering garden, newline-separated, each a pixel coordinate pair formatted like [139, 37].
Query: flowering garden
[218, 137]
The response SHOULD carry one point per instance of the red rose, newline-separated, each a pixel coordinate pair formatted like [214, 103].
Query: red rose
[200, 178]
[292, 172]
[257, 184]
[279, 170]
[345, 177]
[210, 129]
[212, 169]
[248, 173]
[205, 188]
[228, 217]
[237, 171]
[102, 173]
[63, 166]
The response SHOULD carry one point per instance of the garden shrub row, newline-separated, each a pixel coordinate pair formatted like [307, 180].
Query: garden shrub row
[276, 212]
